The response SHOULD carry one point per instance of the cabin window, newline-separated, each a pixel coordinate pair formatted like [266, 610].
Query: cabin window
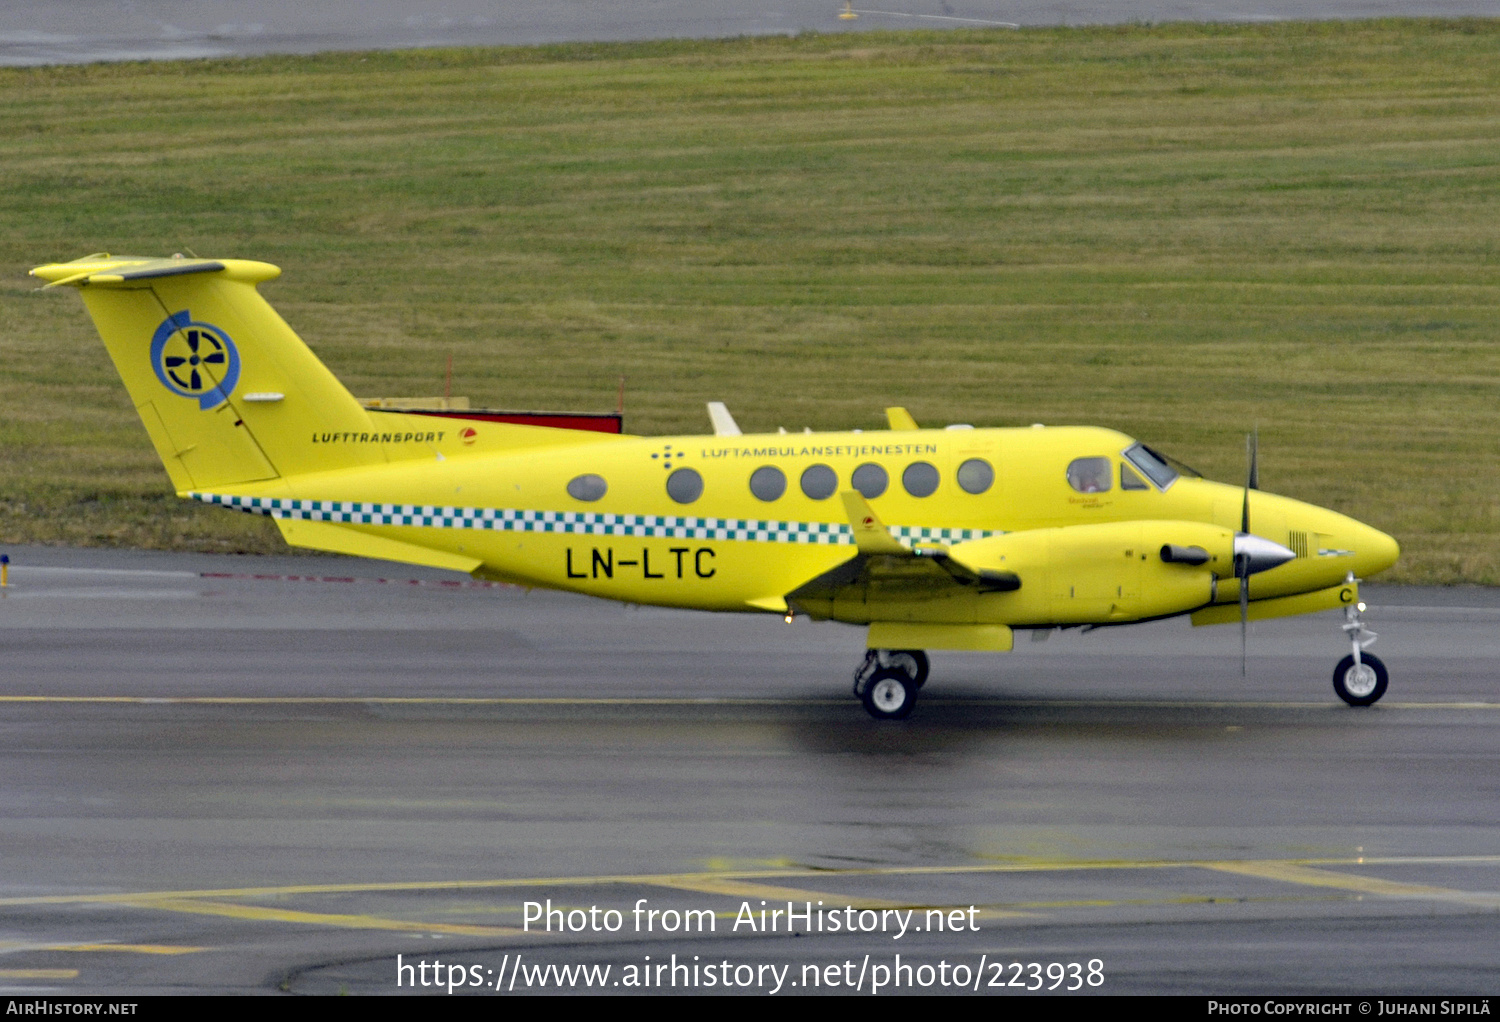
[1129, 480]
[920, 479]
[870, 480]
[685, 485]
[587, 487]
[768, 482]
[819, 482]
[1089, 475]
[975, 476]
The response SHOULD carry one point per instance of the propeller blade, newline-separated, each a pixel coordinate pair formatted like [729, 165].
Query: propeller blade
[1252, 477]
[1244, 617]
[1243, 560]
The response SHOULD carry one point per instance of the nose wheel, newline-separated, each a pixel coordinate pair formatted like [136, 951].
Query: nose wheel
[888, 681]
[1360, 678]
[1360, 684]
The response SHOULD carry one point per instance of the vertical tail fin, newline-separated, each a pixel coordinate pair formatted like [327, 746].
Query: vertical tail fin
[227, 391]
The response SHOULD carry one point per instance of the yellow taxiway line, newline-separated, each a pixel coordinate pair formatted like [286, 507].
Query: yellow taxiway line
[262, 913]
[38, 973]
[744, 883]
[135, 949]
[1296, 873]
[731, 887]
[741, 883]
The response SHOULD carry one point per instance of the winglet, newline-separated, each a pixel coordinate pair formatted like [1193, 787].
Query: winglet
[900, 418]
[870, 534]
[724, 424]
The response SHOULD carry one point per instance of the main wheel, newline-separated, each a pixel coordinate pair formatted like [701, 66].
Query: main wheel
[889, 694]
[911, 661]
[1363, 684]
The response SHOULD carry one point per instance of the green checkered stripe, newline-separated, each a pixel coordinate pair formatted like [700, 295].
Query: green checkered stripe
[586, 523]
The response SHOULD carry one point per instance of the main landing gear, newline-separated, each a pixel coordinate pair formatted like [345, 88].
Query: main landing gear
[888, 681]
[1360, 678]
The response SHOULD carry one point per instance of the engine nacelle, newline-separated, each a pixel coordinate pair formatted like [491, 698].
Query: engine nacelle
[1113, 571]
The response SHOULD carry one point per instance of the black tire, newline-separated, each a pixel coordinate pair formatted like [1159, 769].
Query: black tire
[919, 659]
[889, 694]
[1364, 687]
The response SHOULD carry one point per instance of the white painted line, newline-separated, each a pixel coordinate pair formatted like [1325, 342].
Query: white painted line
[938, 17]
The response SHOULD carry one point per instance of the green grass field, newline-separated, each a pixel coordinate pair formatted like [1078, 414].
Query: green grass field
[1179, 231]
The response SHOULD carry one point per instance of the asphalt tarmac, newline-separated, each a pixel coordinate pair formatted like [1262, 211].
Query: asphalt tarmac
[217, 782]
[82, 31]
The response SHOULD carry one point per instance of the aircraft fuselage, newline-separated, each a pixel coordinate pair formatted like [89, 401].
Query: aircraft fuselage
[722, 547]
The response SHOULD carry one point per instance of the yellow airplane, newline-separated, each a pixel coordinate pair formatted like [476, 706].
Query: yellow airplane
[936, 539]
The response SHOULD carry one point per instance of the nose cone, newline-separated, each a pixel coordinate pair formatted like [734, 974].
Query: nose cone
[1374, 551]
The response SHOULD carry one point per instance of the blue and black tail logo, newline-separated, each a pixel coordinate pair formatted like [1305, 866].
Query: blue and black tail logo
[195, 360]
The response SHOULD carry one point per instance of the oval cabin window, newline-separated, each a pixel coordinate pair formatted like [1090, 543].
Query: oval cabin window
[975, 476]
[819, 482]
[685, 485]
[587, 487]
[768, 483]
[920, 479]
[870, 480]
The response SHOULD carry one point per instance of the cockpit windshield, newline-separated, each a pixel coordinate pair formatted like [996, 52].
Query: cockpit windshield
[1157, 467]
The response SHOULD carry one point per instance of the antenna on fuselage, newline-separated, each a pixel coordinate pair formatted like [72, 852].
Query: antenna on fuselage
[900, 418]
[724, 424]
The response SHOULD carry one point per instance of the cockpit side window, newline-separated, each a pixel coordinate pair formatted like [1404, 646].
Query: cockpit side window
[1129, 480]
[1152, 465]
[1089, 475]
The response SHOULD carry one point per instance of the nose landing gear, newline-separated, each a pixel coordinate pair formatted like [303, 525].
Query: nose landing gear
[1360, 678]
[888, 681]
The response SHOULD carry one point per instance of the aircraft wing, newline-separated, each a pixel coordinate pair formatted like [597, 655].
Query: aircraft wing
[884, 569]
[1101, 572]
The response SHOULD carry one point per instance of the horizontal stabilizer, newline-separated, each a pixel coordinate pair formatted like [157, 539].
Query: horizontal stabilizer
[340, 540]
[104, 270]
